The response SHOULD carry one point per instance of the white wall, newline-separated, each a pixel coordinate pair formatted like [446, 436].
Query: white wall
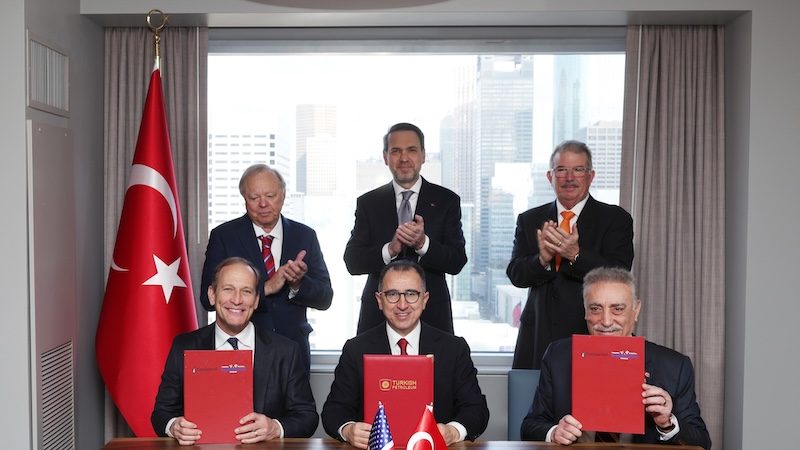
[15, 351]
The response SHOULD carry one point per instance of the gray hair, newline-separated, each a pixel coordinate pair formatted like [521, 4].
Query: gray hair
[609, 275]
[574, 147]
[257, 169]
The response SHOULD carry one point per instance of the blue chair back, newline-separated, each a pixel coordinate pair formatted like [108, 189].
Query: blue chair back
[521, 388]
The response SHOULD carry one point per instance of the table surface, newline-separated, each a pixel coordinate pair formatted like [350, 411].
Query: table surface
[331, 444]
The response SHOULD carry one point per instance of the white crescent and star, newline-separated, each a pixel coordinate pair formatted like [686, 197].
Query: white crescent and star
[147, 176]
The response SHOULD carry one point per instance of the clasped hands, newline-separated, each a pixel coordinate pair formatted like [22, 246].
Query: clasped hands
[255, 428]
[357, 433]
[657, 402]
[410, 234]
[292, 272]
[555, 241]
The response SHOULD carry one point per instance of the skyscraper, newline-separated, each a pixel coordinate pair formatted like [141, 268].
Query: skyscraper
[505, 117]
[312, 121]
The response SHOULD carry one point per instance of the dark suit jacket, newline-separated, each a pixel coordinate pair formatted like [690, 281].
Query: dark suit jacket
[668, 370]
[280, 384]
[376, 222]
[456, 394]
[554, 309]
[275, 312]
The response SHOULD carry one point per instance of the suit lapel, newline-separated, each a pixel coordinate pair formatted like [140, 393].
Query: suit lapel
[387, 206]
[206, 338]
[289, 245]
[428, 343]
[426, 204]
[589, 216]
[261, 365]
[247, 239]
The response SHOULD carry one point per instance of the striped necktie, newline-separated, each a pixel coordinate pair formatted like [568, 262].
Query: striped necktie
[266, 254]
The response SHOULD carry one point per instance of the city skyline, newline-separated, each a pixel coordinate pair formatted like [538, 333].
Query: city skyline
[492, 154]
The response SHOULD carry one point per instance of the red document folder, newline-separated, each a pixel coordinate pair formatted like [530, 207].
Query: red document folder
[607, 377]
[404, 384]
[217, 391]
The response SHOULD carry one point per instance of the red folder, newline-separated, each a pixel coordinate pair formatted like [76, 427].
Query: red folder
[607, 377]
[404, 384]
[217, 391]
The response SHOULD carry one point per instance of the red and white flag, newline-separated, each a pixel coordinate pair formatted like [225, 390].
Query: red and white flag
[427, 435]
[148, 298]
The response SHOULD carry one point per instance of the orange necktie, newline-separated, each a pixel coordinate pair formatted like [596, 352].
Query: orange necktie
[567, 215]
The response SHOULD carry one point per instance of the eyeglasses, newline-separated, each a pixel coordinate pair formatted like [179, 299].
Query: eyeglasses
[579, 171]
[393, 295]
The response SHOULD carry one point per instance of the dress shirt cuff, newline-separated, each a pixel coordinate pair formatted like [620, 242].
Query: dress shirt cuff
[342, 428]
[549, 436]
[293, 292]
[671, 433]
[169, 425]
[280, 426]
[387, 258]
[425, 246]
[462, 432]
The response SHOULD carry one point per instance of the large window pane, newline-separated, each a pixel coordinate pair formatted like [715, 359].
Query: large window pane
[490, 122]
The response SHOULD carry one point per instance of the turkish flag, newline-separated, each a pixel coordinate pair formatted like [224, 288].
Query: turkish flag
[427, 435]
[148, 298]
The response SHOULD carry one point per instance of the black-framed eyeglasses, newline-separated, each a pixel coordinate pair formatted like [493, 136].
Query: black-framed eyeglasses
[393, 295]
[580, 171]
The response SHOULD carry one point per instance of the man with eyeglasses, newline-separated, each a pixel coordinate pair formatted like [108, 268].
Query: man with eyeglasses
[555, 245]
[459, 406]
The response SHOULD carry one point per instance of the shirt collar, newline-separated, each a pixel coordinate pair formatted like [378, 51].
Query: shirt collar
[415, 188]
[247, 337]
[576, 209]
[412, 338]
[276, 232]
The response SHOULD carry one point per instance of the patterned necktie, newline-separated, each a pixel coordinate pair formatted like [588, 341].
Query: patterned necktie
[402, 343]
[234, 343]
[567, 215]
[404, 211]
[266, 254]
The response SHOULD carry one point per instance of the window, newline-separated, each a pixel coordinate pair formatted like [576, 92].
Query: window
[490, 122]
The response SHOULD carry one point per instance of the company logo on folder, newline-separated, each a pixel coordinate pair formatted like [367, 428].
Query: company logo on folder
[217, 391]
[607, 377]
[404, 384]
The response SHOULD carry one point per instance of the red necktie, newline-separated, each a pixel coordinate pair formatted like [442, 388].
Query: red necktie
[402, 343]
[266, 254]
[567, 215]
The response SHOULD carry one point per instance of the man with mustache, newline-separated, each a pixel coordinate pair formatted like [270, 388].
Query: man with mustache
[672, 415]
[555, 245]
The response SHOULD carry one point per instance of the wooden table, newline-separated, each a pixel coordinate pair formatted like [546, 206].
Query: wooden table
[331, 444]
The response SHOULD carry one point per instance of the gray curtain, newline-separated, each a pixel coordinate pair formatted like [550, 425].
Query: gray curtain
[128, 64]
[673, 183]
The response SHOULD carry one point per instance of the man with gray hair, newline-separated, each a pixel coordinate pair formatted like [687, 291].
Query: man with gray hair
[293, 273]
[672, 415]
[550, 256]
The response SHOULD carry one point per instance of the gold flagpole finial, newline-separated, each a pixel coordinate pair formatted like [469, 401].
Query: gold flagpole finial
[156, 29]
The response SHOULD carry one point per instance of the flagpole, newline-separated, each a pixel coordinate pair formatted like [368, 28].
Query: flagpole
[157, 32]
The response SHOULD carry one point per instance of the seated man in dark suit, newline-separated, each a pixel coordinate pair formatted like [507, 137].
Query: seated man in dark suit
[672, 413]
[282, 400]
[459, 406]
